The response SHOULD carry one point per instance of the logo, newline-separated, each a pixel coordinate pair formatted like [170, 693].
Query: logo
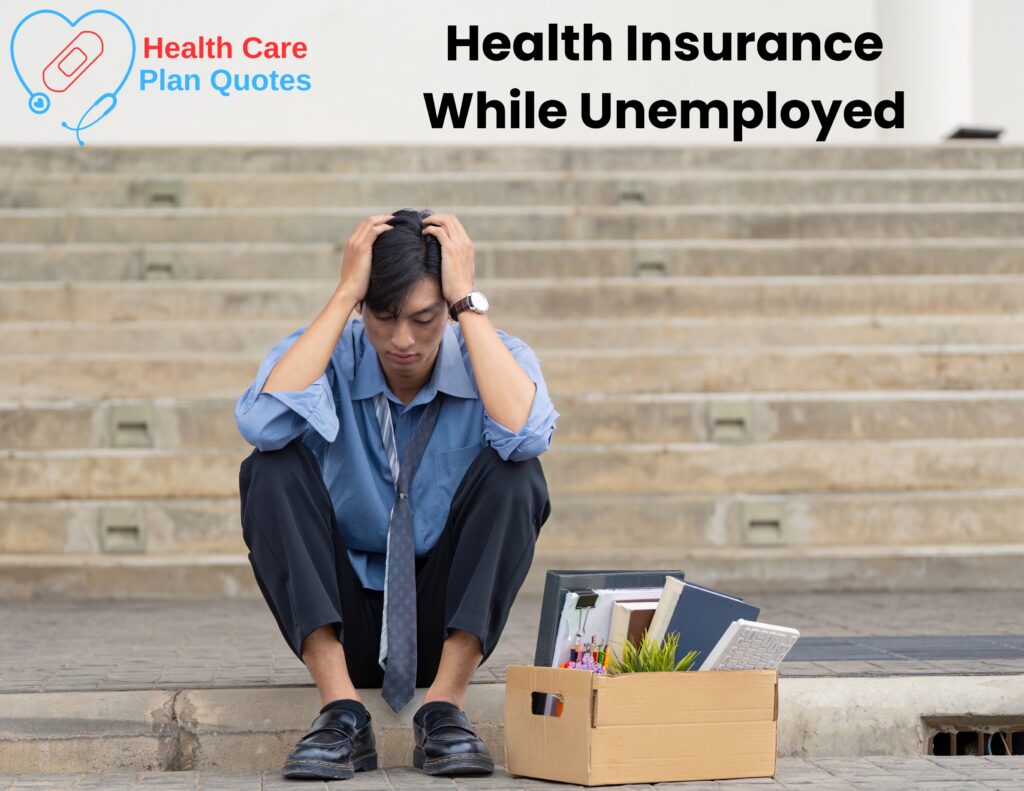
[73, 68]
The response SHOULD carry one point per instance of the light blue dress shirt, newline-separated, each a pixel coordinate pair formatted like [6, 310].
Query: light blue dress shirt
[334, 417]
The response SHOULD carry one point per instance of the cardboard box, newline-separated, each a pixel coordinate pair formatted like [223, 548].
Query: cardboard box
[641, 727]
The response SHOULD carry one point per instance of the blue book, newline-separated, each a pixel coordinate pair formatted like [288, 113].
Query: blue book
[701, 617]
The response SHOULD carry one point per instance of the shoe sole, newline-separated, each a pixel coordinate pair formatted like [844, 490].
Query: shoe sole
[465, 764]
[327, 770]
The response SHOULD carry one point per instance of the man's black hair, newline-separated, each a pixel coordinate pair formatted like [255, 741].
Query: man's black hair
[401, 257]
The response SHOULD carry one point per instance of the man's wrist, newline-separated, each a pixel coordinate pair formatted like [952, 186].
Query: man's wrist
[461, 293]
[473, 302]
[473, 313]
[344, 298]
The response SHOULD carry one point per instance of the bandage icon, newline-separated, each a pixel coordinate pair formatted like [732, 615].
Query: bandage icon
[72, 61]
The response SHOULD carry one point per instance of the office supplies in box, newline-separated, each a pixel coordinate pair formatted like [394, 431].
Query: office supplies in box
[558, 583]
[641, 727]
[580, 623]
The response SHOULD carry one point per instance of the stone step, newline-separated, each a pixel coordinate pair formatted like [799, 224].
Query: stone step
[567, 372]
[522, 223]
[235, 737]
[530, 259]
[169, 423]
[508, 188]
[770, 569]
[169, 525]
[447, 158]
[572, 469]
[250, 337]
[536, 298]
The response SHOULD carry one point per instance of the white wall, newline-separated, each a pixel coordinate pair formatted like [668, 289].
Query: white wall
[929, 56]
[998, 65]
[370, 63]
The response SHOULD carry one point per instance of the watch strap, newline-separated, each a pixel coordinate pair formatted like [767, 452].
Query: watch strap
[458, 307]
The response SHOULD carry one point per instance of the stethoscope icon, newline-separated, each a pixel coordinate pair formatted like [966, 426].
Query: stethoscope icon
[68, 65]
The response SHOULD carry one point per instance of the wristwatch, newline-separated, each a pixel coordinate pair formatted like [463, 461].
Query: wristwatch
[474, 300]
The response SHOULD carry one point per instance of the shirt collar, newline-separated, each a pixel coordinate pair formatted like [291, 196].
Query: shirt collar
[449, 375]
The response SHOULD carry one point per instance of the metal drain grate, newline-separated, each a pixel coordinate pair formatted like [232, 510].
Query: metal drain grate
[975, 736]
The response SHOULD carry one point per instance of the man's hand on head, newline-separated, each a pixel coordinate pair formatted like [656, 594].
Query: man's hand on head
[355, 264]
[456, 255]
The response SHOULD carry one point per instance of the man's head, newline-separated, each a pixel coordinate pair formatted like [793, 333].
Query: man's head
[404, 311]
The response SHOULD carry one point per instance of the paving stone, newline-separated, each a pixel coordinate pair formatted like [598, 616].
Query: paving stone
[922, 764]
[236, 643]
[167, 781]
[804, 778]
[739, 785]
[982, 768]
[240, 781]
[850, 768]
[696, 785]
[49, 782]
[501, 779]
[899, 773]
[833, 785]
[408, 777]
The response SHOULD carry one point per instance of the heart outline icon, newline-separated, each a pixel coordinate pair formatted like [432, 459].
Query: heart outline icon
[39, 103]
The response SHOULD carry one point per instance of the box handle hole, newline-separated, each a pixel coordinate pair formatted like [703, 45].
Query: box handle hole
[547, 704]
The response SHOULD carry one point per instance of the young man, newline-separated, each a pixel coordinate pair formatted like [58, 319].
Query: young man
[394, 497]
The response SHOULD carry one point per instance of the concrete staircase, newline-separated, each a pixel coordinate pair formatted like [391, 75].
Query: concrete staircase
[788, 369]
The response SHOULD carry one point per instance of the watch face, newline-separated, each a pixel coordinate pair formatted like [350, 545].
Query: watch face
[478, 302]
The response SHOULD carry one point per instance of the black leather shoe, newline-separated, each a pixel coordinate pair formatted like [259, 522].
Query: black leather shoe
[333, 749]
[446, 744]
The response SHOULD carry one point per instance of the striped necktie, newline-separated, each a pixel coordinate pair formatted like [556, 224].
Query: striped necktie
[398, 628]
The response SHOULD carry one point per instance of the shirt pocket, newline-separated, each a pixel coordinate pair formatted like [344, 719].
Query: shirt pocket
[450, 466]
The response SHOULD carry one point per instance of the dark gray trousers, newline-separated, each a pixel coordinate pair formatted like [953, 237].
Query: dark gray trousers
[468, 580]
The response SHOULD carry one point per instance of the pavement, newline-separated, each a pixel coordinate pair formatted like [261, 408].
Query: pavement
[823, 774]
[214, 651]
[222, 643]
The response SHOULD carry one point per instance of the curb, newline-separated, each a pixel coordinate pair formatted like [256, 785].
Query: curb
[249, 729]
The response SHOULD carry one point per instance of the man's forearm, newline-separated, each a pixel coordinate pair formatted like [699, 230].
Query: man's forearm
[308, 357]
[505, 388]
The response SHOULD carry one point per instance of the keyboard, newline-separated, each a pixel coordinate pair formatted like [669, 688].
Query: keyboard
[747, 645]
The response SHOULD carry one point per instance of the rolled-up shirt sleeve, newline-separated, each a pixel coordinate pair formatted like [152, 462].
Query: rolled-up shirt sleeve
[271, 420]
[535, 436]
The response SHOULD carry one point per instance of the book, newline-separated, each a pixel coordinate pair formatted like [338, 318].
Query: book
[701, 617]
[629, 621]
[666, 606]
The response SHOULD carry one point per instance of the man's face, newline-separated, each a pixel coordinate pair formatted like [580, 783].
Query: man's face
[407, 346]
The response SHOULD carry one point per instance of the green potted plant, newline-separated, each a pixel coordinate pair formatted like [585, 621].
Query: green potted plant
[649, 657]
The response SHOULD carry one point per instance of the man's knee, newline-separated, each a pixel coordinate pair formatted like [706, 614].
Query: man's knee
[266, 478]
[521, 481]
[273, 458]
[520, 475]
[270, 468]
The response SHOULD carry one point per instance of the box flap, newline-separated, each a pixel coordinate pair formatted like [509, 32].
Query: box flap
[685, 697]
[536, 745]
